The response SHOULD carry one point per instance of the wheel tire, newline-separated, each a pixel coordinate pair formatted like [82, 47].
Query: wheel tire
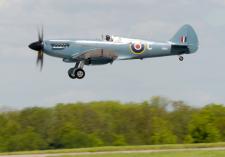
[71, 73]
[80, 73]
[181, 58]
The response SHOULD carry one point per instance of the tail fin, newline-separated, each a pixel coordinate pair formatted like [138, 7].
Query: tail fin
[188, 37]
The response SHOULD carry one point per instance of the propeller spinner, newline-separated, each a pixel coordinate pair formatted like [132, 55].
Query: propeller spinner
[39, 47]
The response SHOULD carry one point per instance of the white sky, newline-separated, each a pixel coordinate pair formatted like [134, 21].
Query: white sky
[198, 80]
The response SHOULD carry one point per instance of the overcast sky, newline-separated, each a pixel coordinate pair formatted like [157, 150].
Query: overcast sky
[199, 80]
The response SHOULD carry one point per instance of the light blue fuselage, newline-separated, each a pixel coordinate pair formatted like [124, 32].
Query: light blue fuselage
[113, 48]
[66, 49]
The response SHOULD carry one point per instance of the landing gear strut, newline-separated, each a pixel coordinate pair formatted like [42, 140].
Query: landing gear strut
[77, 71]
[181, 58]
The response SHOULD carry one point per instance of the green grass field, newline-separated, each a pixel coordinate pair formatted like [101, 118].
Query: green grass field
[133, 148]
[163, 154]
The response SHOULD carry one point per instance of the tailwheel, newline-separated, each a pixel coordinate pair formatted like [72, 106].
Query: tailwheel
[181, 58]
[71, 73]
[79, 73]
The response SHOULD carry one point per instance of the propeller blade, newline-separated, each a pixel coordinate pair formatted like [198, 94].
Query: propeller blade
[40, 59]
[42, 62]
[39, 47]
[40, 34]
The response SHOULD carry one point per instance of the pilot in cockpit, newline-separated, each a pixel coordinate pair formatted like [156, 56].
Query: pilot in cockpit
[108, 38]
[116, 39]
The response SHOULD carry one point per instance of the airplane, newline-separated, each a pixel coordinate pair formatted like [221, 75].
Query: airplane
[111, 48]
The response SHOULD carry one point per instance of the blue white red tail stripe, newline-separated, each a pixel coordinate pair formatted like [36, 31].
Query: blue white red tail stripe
[183, 39]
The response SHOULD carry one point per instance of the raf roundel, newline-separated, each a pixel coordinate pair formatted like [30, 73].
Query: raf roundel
[137, 48]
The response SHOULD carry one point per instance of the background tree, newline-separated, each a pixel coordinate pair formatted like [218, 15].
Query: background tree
[111, 123]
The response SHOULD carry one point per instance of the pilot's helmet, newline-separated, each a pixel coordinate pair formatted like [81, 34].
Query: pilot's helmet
[108, 38]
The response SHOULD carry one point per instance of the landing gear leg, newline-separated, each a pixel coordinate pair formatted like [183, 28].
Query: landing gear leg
[181, 58]
[77, 71]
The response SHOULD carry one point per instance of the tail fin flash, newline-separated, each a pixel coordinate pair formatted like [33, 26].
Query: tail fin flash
[188, 37]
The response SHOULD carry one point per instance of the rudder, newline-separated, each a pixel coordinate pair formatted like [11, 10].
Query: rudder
[186, 36]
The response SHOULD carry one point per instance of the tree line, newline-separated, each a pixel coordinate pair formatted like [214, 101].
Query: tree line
[111, 123]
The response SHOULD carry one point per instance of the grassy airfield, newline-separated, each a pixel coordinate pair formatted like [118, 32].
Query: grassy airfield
[214, 153]
[174, 150]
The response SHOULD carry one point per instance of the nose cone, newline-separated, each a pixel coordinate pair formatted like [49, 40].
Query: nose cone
[37, 46]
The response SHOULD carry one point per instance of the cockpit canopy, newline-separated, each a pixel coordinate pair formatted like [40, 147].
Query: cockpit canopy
[116, 39]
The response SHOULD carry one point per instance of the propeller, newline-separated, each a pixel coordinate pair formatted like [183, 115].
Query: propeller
[39, 47]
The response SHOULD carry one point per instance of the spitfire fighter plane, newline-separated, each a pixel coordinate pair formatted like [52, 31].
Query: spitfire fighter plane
[112, 48]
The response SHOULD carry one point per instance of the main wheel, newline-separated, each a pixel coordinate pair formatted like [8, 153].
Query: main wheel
[79, 73]
[181, 58]
[71, 73]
